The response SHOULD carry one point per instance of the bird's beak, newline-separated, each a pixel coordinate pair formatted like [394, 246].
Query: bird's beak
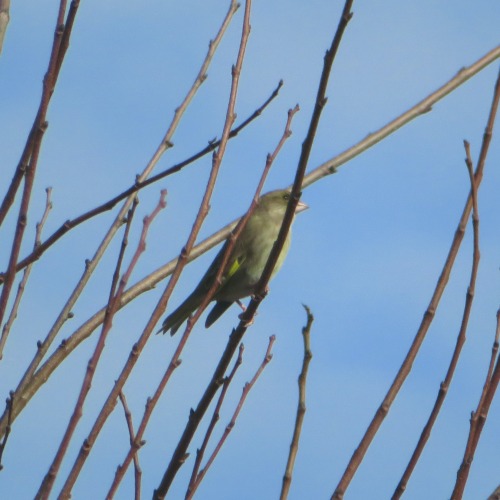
[301, 206]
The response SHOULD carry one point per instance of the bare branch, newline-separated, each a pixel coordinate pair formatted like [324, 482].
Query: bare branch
[22, 284]
[301, 407]
[136, 187]
[477, 422]
[137, 467]
[246, 390]
[215, 418]
[48, 481]
[162, 303]
[31, 384]
[444, 386]
[246, 318]
[91, 264]
[9, 405]
[4, 20]
[407, 364]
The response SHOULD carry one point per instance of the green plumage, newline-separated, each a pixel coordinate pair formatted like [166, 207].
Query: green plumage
[245, 264]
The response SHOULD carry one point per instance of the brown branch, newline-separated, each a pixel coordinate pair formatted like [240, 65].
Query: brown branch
[136, 187]
[9, 404]
[22, 284]
[48, 481]
[177, 459]
[444, 386]
[215, 418]
[419, 109]
[477, 422]
[91, 264]
[246, 390]
[202, 213]
[301, 407]
[137, 467]
[29, 158]
[4, 20]
[495, 495]
[162, 303]
[407, 364]
[33, 142]
[235, 338]
[33, 382]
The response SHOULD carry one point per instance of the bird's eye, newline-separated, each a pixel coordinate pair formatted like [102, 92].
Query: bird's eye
[286, 197]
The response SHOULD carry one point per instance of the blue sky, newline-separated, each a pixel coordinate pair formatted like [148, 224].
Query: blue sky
[364, 258]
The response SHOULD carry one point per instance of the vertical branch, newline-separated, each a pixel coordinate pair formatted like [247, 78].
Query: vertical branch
[48, 481]
[162, 303]
[137, 467]
[137, 186]
[202, 213]
[9, 402]
[246, 390]
[407, 364]
[478, 420]
[43, 346]
[4, 20]
[22, 285]
[301, 407]
[215, 418]
[235, 338]
[444, 386]
[29, 158]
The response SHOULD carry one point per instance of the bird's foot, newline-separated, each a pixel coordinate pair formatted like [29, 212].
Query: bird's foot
[247, 323]
[243, 306]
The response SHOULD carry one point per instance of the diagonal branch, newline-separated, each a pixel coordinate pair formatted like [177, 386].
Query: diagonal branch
[30, 385]
[22, 285]
[407, 364]
[136, 187]
[91, 264]
[444, 386]
[162, 303]
[246, 390]
[246, 318]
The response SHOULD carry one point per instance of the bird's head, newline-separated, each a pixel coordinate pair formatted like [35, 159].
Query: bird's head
[277, 201]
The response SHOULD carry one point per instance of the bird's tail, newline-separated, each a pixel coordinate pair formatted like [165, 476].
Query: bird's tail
[217, 311]
[174, 321]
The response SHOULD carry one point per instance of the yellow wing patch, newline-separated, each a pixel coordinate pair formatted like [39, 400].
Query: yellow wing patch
[234, 267]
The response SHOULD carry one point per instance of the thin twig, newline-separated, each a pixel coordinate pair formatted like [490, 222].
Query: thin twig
[444, 386]
[22, 284]
[9, 404]
[136, 187]
[477, 422]
[162, 303]
[31, 384]
[196, 416]
[48, 481]
[235, 338]
[130, 426]
[211, 426]
[495, 495]
[419, 109]
[4, 20]
[35, 136]
[29, 159]
[91, 264]
[246, 390]
[202, 213]
[407, 364]
[301, 407]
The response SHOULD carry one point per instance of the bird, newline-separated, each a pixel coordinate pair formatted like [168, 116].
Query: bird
[245, 264]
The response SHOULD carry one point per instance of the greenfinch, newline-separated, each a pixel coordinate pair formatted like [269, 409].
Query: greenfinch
[245, 264]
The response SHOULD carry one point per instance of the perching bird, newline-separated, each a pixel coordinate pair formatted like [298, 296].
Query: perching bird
[245, 264]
